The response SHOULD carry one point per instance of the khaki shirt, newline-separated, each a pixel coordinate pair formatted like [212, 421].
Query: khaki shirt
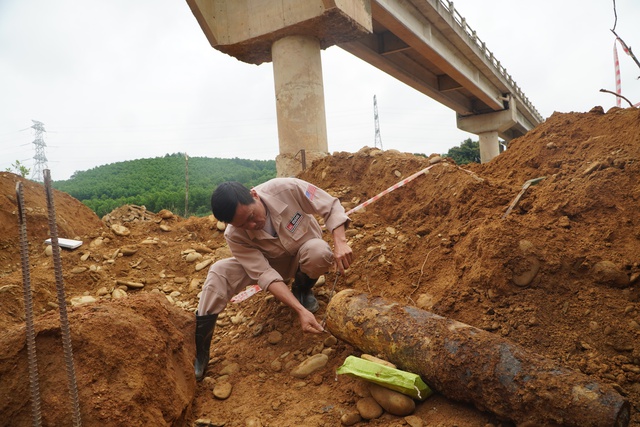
[291, 203]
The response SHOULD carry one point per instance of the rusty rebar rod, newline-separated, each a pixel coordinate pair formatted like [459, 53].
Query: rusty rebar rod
[62, 304]
[471, 365]
[34, 384]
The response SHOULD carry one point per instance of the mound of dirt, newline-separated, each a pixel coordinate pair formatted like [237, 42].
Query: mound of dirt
[540, 246]
[74, 220]
[133, 363]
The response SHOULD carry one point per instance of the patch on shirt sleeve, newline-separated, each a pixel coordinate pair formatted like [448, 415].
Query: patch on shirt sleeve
[294, 222]
[310, 192]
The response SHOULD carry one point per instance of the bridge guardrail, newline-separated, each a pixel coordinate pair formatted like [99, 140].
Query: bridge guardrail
[475, 40]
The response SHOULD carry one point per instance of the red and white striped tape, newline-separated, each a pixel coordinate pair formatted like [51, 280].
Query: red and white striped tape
[616, 64]
[390, 189]
[247, 293]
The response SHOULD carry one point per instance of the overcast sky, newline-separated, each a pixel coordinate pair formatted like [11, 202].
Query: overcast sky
[121, 80]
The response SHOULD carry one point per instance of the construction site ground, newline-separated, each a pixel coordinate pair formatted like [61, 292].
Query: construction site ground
[558, 275]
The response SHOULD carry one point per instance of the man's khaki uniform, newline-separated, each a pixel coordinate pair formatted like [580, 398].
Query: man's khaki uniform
[259, 257]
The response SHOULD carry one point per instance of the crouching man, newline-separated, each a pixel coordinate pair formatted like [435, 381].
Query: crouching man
[273, 237]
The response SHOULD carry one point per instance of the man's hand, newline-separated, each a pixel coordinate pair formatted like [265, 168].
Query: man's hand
[342, 252]
[308, 321]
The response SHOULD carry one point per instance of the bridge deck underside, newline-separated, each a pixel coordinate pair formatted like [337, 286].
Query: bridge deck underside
[391, 55]
[436, 60]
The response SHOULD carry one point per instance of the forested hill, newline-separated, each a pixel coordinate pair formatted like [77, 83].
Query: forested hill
[160, 183]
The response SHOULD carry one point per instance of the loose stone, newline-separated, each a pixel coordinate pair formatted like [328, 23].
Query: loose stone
[230, 369]
[350, 419]
[311, 365]
[368, 408]
[274, 337]
[165, 214]
[102, 291]
[85, 299]
[330, 341]
[203, 264]
[392, 401]
[194, 284]
[193, 256]
[377, 360]
[120, 230]
[276, 365]
[328, 351]
[98, 241]
[128, 250]
[118, 293]
[237, 319]
[130, 285]
[222, 390]
[257, 329]
[525, 277]
[414, 421]
[607, 273]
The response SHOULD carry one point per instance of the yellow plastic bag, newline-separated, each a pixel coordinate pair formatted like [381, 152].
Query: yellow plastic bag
[394, 379]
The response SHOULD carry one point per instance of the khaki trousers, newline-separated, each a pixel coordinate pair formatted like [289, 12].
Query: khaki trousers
[227, 277]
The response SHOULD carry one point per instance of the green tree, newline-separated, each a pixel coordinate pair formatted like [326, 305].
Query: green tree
[159, 183]
[467, 152]
[19, 169]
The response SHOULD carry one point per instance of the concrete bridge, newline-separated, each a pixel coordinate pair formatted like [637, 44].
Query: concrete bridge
[426, 44]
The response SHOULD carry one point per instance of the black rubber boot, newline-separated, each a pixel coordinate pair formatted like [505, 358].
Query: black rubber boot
[204, 332]
[301, 289]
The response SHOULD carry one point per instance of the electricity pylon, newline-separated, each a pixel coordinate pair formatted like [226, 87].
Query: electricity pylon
[40, 158]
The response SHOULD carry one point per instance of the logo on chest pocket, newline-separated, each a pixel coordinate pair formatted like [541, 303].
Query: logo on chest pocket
[294, 222]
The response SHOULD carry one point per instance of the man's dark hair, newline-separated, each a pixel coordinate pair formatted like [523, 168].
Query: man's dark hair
[226, 197]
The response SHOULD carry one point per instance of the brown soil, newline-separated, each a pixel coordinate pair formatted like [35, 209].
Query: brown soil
[558, 276]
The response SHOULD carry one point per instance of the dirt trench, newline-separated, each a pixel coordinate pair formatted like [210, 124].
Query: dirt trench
[558, 275]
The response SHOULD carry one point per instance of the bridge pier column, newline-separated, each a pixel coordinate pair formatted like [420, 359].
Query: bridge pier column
[290, 33]
[299, 90]
[488, 126]
[489, 145]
